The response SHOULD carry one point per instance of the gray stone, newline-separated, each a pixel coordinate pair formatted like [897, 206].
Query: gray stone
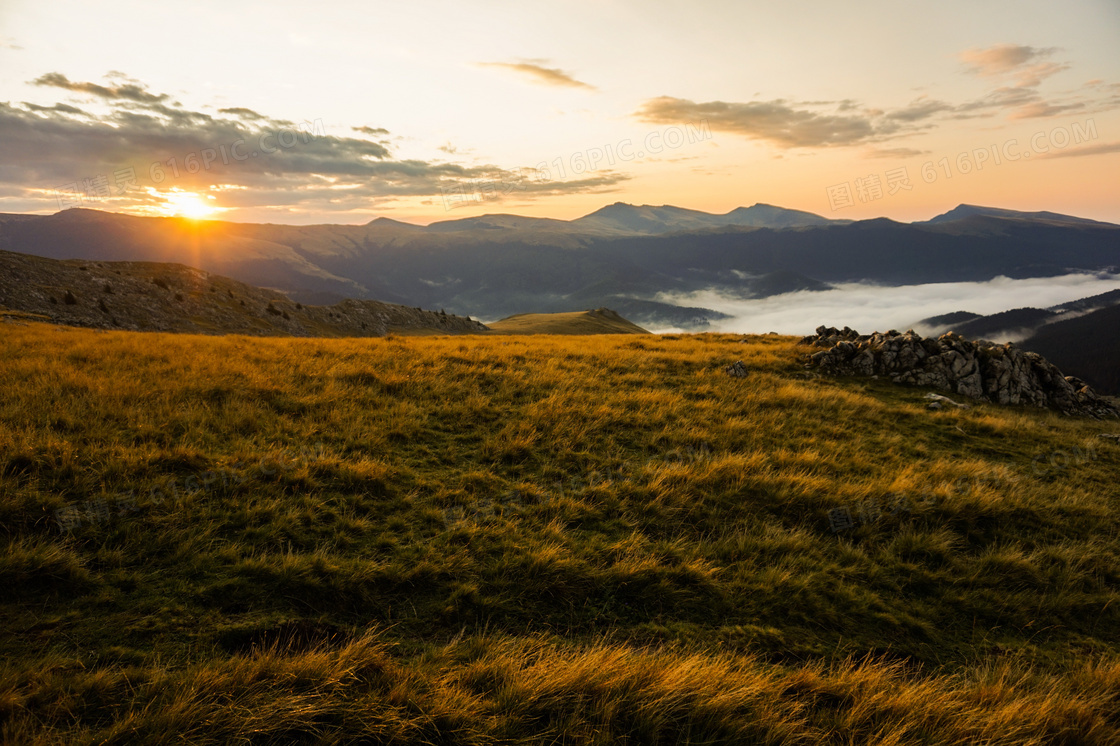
[736, 369]
[980, 369]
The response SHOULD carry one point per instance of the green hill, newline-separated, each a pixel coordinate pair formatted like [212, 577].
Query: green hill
[598, 321]
[513, 539]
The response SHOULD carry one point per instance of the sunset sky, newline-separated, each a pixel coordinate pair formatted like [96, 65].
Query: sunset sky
[345, 111]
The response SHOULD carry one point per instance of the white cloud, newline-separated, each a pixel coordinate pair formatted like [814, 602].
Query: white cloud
[869, 308]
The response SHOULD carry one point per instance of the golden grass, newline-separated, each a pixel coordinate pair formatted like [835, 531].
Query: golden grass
[507, 539]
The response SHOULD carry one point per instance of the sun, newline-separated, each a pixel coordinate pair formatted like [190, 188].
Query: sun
[179, 203]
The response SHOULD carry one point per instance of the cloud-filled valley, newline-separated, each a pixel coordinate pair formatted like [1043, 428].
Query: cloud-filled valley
[868, 307]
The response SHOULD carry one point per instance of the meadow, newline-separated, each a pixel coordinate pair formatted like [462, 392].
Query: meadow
[524, 539]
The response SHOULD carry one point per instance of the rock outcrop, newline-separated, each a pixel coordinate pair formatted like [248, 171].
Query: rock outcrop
[1003, 374]
[736, 369]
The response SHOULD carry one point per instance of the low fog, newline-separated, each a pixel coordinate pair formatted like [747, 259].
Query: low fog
[869, 308]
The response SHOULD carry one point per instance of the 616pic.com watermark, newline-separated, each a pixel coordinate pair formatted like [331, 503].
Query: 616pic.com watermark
[871, 187]
[102, 509]
[579, 163]
[897, 504]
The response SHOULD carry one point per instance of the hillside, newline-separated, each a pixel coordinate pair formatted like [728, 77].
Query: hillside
[1086, 345]
[1013, 324]
[147, 296]
[1017, 323]
[523, 539]
[598, 321]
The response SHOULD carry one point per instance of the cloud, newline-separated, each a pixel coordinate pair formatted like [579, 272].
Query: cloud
[1102, 149]
[779, 122]
[1002, 58]
[895, 152]
[1031, 77]
[869, 308]
[1024, 68]
[244, 157]
[539, 74]
[996, 100]
[61, 108]
[129, 91]
[817, 124]
[377, 131]
[1043, 109]
[919, 109]
[8, 42]
[242, 113]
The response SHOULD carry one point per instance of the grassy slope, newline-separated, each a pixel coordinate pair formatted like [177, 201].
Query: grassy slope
[484, 539]
[149, 296]
[599, 321]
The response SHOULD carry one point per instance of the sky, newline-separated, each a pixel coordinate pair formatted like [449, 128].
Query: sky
[342, 112]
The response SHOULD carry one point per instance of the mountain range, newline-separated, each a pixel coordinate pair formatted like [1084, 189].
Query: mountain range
[629, 258]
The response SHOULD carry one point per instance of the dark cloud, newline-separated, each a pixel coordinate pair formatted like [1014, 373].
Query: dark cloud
[376, 131]
[537, 73]
[918, 110]
[129, 91]
[1102, 149]
[245, 158]
[779, 122]
[242, 113]
[61, 108]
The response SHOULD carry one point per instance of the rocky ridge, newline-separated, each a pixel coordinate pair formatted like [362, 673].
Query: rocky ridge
[979, 369]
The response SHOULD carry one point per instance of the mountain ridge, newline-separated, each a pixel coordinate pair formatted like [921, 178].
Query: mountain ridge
[497, 265]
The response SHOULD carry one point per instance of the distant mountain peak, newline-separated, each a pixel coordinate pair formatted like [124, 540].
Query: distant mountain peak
[391, 222]
[763, 215]
[658, 219]
[964, 211]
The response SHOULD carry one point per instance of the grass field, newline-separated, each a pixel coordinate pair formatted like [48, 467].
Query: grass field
[558, 539]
